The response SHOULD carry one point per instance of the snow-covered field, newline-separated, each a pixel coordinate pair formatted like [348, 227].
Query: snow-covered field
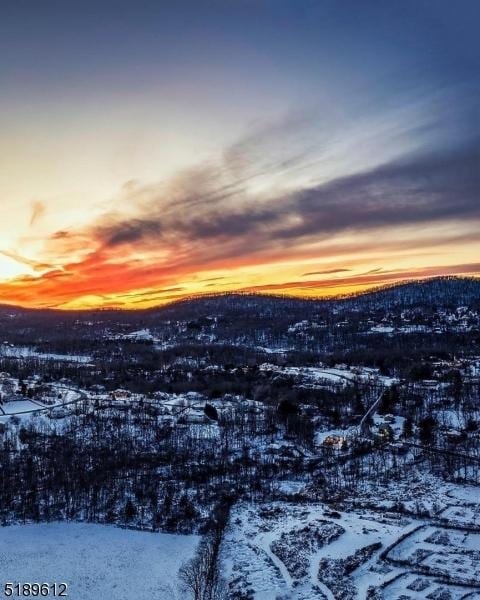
[98, 562]
[25, 352]
[291, 540]
[21, 406]
[309, 551]
[320, 375]
[25, 408]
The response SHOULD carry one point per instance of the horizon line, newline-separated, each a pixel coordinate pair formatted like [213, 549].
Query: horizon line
[242, 292]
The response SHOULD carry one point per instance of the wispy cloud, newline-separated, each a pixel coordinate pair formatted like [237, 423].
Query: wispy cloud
[326, 272]
[366, 280]
[34, 264]
[421, 189]
[38, 210]
[224, 215]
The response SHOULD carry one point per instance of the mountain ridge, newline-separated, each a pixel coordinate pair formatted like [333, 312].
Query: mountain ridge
[414, 290]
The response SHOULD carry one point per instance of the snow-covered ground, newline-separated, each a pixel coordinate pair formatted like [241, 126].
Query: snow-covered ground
[20, 406]
[96, 561]
[468, 493]
[288, 539]
[24, 407]
[309, 551]
[26, 352]
[319, 375]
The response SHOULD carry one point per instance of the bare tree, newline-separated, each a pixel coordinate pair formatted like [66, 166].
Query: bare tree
[200, 576]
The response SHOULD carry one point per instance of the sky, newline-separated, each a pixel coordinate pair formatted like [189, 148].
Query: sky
[151, 151]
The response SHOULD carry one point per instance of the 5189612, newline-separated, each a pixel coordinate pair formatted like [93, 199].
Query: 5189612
[26, 590]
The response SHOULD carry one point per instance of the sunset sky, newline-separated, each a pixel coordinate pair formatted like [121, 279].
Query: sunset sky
[154, 150]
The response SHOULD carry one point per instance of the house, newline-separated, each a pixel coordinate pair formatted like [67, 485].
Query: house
[59, 412]
[454, 435]
[389, 419]
[334, 441]
[384, 432]
[121, 394]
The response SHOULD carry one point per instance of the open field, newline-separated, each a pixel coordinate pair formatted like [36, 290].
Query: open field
[96, 561]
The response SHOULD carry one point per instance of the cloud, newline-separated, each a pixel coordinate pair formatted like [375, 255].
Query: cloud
[211, 279]
[35, 265]
[126, 232]
[326, 272]
[367, 280]
[221, 216]
[223, 220]
[38, 210]
[422, 189]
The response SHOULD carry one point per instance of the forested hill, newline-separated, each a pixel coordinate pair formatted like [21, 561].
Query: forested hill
[447, 292]
[440, 292]
[379, 328]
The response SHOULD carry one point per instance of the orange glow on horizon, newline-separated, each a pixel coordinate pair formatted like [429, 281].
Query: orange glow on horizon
[104, 280]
